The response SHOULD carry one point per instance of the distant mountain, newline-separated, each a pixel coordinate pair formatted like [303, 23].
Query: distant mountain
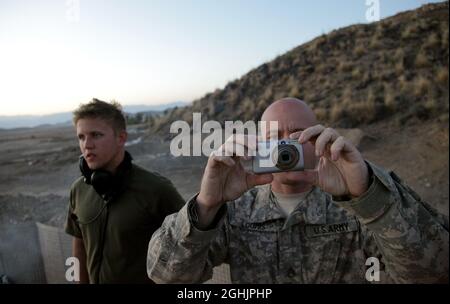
[395, 69]
[153, 108]
[27, 121]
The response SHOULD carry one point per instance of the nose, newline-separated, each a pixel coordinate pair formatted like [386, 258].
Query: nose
[88, 143]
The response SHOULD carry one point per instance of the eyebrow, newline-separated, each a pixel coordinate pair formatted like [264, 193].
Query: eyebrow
[291, 130]
[90, 132]
[297, 129]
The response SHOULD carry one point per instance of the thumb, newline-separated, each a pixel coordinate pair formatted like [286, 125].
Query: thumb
[258, 179]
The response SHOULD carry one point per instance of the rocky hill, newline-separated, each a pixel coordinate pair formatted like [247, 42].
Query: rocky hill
[395, 69]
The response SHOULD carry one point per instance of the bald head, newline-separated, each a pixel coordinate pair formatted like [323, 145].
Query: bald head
[291, 114]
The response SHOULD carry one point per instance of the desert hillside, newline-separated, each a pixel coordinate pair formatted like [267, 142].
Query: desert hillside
[395, 69]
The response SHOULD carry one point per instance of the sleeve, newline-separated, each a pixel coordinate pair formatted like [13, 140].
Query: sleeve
[411, 236]
[178, 252]
[71, 225]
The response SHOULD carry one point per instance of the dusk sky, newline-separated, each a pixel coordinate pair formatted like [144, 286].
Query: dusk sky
[55, 55]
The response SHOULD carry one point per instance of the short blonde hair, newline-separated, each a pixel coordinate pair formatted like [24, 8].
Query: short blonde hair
[110, 112]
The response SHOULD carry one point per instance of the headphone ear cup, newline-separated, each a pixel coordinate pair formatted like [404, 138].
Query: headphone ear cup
[102, 181]
[85, 171]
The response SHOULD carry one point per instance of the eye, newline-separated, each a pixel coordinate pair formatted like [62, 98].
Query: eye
[97, 134]
[80, 137]
[272, 135]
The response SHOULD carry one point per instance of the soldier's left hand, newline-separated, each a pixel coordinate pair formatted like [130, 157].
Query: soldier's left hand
[341, 170]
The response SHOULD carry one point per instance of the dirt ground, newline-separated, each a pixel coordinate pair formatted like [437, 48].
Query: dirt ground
[38, 166]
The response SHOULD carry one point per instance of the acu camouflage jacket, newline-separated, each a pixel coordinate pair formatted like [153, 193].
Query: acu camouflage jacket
[322, 241]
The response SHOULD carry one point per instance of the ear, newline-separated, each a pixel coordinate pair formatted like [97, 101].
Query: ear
[122, 136]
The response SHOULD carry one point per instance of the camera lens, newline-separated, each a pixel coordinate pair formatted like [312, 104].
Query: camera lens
[287, 157]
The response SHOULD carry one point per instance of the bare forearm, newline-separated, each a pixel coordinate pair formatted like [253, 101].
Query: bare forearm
[79, 252]
[205, 212]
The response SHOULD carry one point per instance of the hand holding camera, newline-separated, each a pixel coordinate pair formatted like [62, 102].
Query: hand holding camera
[341, 170]
[225, 178]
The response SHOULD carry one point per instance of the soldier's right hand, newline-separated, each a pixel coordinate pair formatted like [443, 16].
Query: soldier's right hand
[225, 179]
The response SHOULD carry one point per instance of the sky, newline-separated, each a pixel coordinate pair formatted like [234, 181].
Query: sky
[56, 54]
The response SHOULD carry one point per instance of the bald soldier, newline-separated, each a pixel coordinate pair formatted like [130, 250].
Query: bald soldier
[349, 221]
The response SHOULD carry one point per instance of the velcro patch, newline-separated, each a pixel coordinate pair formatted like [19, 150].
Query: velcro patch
[319, 230]
[272, 226]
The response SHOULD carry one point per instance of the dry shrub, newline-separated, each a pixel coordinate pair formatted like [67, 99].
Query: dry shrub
[421, 86]
[359, 50]
[431, 104]
[390, 97]
[345, 66]
[295, 92]
[357, 73]
[432, 42]
[444, 40]
[399, 60]
[410, 31]
[321, 114]
[337, 111]
[399, 68]
[442, 76]
[375, 43]
[421, 60]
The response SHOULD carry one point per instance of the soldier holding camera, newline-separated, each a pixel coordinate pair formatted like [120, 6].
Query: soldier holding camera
[307, 226]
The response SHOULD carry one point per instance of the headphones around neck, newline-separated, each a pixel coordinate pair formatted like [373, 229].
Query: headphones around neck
[104, 182]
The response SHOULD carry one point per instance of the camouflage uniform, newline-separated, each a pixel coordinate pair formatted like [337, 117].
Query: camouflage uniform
[321, 241]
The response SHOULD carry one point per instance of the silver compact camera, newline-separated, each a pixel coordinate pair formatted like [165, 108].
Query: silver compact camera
[278, 156]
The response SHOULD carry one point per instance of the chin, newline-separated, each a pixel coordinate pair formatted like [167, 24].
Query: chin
[93, 166]
[295, 178]
[290, 178]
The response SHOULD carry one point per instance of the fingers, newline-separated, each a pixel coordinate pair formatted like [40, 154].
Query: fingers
[337, 147]
[246, 140]
[239, 145]
[258, 179]
[236, 145]
[233, 149]
[310, 133]
[226, 160]
[326, 141]
[295, 135]
[328, 136]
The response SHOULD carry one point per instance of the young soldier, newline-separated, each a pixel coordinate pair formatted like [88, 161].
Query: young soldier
[116, 205]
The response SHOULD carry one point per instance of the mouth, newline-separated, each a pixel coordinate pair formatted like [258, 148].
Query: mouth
[90, 156]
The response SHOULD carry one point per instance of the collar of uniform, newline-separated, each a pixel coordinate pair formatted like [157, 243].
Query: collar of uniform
[311, 211]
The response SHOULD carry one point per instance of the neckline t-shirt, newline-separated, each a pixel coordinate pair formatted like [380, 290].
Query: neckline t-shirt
[288, 202]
